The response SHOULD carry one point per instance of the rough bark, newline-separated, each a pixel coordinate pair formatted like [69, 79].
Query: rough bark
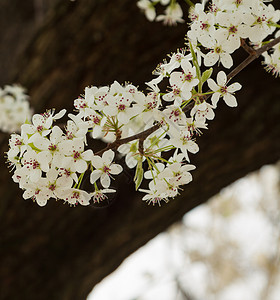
[58, 252]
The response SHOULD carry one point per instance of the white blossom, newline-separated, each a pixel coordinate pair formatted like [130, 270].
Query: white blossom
[220, 89]
[104, 168]
[172, 15]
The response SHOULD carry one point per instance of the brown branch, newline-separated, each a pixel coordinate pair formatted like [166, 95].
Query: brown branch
[141, 146]
[142, 135]
[251, 58]
[247, 48]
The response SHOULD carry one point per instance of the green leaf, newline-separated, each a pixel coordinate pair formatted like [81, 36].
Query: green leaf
[139, 174]
[206, 74]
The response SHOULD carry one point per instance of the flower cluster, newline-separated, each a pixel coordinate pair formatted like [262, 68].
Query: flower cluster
[50, 163]
[154, 132]
[221, 27]
[14, 108]
[172, 14]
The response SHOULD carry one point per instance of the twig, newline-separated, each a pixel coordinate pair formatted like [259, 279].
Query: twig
[142, 135]
[252, 57]
[247, 48]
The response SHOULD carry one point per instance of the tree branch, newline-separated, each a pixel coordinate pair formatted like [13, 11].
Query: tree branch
[252, 57]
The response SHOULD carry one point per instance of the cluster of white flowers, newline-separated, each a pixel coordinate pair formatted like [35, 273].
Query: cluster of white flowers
[172, 15]
[14, 108]
[220, 25]
[51, 163]
[221, 28]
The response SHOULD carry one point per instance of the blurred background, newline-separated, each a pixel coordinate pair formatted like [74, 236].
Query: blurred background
[227, 249]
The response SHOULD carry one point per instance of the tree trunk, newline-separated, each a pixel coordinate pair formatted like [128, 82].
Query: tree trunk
[59, 252]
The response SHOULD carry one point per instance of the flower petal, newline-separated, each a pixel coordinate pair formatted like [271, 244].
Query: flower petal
[95, 175]
[212, 85]
[234, 87]
[221, 78]
[108, 156]
[116, 169]
[105, 180]
[230, 100]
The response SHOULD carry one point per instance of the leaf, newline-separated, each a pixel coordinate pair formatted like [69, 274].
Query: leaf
[139, 174]
[206, 75]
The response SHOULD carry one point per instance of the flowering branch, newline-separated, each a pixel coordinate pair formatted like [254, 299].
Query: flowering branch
[51, 163]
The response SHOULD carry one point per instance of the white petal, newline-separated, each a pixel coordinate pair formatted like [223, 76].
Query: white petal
[59, 114]
[221, 78]
[234, 87]
[186, 66]
[80, 166]
[37, 120]
[41, 143]
[95, 175]
[97, 162]
[115, 169]
[230, 100]
[124, 117]
[215, 98]
[64, 182]
[27, 128]
[66, 147]
[74, 176]
[52, 175]
[105, 180]
[226, 60]
[41, 201]
[108, 156]
[48, 122]
[210, 115]
[35, 175]
[234, 42]
[28, 194]
[175, 79]
[84, 198]
[56, 134]
[212, 85]
[130, 161]
[110, 110]
[193, 147]
[211, 59]
[44, 159]
[87, 155]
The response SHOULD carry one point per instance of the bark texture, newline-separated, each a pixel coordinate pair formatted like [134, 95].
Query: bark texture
[58, 252]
